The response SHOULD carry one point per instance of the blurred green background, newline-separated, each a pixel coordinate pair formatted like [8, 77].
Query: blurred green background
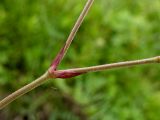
[31, 34]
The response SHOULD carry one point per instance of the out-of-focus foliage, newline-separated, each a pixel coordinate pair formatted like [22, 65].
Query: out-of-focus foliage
[32, 32]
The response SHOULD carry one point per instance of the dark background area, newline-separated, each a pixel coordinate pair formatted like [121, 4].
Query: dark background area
[31, 34]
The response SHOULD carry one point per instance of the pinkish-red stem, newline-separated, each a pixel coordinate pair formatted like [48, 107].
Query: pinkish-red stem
[55, 63]
[53, 73]
[71, 36]
[78, 71]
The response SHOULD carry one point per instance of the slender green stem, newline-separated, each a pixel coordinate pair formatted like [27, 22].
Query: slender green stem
[72, 34]
[55, 63]
[51, 73]
[78, 24]
[113, 65]
[45, 76]
[24, 90]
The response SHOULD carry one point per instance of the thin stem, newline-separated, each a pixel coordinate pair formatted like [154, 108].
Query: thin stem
[112, 65]
[53, 73]
[72, 34]
[23, 90]
[75, 71]
[54, 64]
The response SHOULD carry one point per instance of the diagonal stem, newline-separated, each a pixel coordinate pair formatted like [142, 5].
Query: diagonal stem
[71, 36]
[54, 64]
[53, 73]
[72, 73]
[24, 90]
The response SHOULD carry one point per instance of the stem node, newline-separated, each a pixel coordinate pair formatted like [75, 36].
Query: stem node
[157, 59]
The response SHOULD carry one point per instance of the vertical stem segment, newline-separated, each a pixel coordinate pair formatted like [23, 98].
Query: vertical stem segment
[23, 90]
[78, 23]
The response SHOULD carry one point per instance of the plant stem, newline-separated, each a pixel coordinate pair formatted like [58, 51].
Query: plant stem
[77, 25]
[45, 76]
[52, 72]
[72, 34]
[112, 65]
[54, 64]
[24, 90]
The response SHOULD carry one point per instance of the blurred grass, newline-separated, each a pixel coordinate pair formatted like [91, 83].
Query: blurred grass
[31, 34]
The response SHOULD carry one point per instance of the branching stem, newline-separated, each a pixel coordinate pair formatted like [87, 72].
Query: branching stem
[53, 73]
[55, 63]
